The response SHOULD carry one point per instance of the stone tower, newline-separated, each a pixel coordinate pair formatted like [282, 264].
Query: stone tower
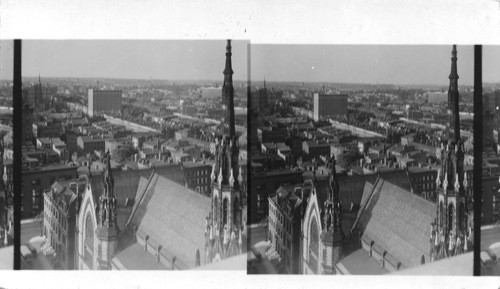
[332, 235]
[453, 130]
[451, 222]
[224, 225]
[107, 226]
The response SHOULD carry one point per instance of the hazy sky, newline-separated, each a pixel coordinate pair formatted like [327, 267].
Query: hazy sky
[137, 59]
[204, 59]
[382, 64]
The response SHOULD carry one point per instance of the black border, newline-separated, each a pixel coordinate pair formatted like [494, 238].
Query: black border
[17, 139]
[478, 147]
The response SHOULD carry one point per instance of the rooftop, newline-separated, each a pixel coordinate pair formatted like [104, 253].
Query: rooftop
[359, 263]
[134, 258]
[172, 215]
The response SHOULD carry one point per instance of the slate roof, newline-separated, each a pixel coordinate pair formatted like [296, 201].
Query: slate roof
[172, 215]
[398, 221]
[351, 188]
[127, 184]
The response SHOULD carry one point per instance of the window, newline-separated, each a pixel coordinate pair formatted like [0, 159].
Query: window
[313, 245]
[89, 241]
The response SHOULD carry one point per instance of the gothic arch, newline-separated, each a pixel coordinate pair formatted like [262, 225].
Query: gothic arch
[216, 207]
[313, 244]
[236, 213]
[462, 220]
[451, 209]
[89, 240]
[225, 211]
[441, 214]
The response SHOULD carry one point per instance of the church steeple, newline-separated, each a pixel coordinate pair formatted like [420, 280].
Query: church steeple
[452, 217]
[453, 100]
[225, 222]
[228, 92]
[107, 224]
[331, 215]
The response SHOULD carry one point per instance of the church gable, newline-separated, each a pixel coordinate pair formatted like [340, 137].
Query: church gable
[87, 218]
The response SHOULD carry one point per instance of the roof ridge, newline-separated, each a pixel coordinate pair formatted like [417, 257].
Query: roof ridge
[362, 210]
[136, 204]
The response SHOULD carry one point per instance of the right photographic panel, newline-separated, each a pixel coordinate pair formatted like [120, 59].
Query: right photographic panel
[490, 203]
[362, 159]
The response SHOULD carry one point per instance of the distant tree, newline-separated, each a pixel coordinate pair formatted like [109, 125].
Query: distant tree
[346, 159]
[120, 155]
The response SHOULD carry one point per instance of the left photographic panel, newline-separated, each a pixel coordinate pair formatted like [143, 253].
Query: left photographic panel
[134, 154]
[6, 140]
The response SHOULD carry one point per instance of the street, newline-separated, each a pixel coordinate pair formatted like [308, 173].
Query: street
[256, 234]
[490, 236]
[30, 233]
[29, 229]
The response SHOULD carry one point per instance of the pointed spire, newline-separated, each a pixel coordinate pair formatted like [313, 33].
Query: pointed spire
[240, 177]
[453, 100]
[334, 192]
[212, 176]
[228, 92]
[453, 72]
[220, 177]
[228, 69]
[231, 178]
[457, 184]
[438, 178]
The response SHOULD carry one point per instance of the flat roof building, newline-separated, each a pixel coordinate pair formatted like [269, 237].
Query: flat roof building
[101, 101]
[326, 105]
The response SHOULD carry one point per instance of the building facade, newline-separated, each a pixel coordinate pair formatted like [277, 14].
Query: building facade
[36, 180]
[197, 175]
[89, 144]
[59, 219]
[27, 124]
[285, 220]
[327, 105]
[102, 101]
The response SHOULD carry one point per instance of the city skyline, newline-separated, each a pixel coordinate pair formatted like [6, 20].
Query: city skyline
[315, 65]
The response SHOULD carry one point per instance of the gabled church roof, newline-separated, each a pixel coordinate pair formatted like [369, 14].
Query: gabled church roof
[173, 216]
[398, 221]
[126, 184]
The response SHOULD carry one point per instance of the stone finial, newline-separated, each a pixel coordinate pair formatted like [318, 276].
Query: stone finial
[457, 184]
[220, 177]
[212, 176]
[240, 176]
[231, 179]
